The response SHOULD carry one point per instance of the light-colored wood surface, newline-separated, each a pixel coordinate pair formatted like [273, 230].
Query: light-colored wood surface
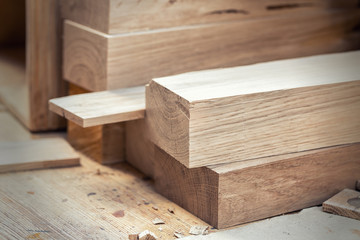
[97, 61]
[83, 202]
[139, 149]
[235, 114]
[105, 143]
[229, 194]
[99, 108]
[346, 203]
[36, 154]
[119, 16]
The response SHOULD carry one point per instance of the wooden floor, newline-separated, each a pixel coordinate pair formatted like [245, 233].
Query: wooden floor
[86, 202]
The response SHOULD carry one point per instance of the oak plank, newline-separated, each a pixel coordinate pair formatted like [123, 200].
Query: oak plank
[97, 61]
[36, 154]
[229, 194]
[346, 203]
[234, 114]
[99, 108]
[119, 16]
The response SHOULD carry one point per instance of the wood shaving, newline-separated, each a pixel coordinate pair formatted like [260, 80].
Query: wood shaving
[155, 207]
[199, 230]
[147, 235]
[157, 221]
[171, 210]
[179, 234]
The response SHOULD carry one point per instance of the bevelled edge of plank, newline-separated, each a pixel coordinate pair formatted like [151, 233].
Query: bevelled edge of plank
[36, 154]
[264, 188]
[99, 108]
[265, 77]
[346, 203]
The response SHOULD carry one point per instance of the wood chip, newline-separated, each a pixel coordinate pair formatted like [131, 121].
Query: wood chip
[346, 203]
[145, 202]
[160, 229]
[179, 234]
[199, 230]
[157, 221]
[134, 236]
[147, 235]
[155, 207]
[171, 210]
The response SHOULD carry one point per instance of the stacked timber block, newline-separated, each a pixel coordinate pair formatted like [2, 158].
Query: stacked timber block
[241, 144]
[114, 44]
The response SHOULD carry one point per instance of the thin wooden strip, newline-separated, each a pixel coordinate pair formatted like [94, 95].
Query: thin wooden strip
[99, 108]
[226, 115]
[36, 154]
[346, 203]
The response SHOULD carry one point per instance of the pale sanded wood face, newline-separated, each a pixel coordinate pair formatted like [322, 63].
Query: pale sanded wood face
[99, 108]
[201, 120]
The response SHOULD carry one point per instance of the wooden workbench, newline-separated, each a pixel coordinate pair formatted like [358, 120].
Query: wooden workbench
[87, 202]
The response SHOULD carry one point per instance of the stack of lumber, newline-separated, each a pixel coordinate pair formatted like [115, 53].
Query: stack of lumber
[230, 145]
[114, 44]
[240, 144]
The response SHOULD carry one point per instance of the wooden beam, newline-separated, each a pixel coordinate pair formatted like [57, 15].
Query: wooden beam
[36, 154]
[43, 62]
[99, 108]
[119, 16]
[225, 195]
[139, 149]
[104, 143]
[241, 113]
[346, 203]
[97, 61]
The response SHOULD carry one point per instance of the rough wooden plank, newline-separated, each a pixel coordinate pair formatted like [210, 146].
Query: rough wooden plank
[139, 148]
[97, 61]
[43, 62]
[119, 16]
[229, 194]
[54, 204]
[36, 154]
[105, 143]
[346, 203]
[99, 108]
[241, 113]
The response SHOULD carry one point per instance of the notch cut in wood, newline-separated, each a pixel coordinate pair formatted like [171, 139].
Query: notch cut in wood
[100, 108]
[346, 203]
[36, 154]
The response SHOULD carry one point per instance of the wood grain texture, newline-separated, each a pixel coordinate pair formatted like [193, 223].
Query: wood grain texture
[358, 185]
[229, 194]
[43, 62]
[36, 154]
[97, 61]
[119, 16]
[235, 114]
[99, 108]
[105, 143]
[346, 203]
[139, 148]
